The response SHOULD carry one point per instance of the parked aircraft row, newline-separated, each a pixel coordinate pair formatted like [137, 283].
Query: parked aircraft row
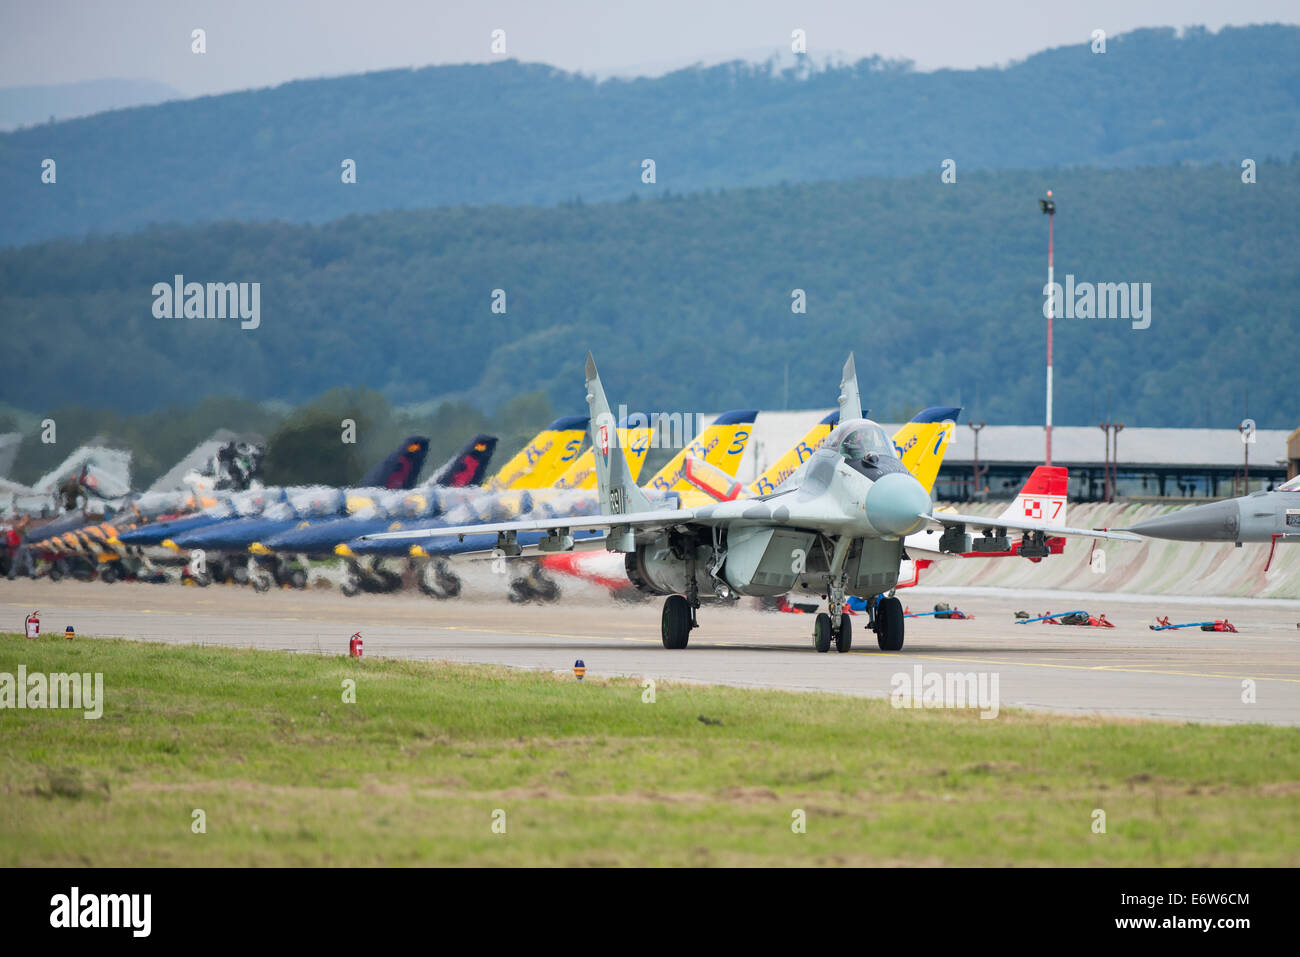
[845, 512]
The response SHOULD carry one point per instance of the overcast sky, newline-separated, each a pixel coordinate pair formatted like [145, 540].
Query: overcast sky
[253, 43]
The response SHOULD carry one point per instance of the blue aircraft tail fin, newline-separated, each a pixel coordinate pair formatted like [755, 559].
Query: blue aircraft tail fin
[469, 465]
[400, 468]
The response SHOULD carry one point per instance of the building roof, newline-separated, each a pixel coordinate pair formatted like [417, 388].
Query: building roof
[1085, 446]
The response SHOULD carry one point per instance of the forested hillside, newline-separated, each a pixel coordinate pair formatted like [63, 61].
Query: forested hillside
[514, 133]
[686, 301]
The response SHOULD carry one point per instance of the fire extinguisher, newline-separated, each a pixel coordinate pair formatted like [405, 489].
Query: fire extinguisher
[354, 646]
[33, 629]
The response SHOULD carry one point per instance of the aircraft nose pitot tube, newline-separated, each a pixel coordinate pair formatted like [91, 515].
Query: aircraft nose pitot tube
[896, 503]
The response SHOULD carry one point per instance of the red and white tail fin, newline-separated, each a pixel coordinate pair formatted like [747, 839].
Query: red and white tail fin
[1043, 497]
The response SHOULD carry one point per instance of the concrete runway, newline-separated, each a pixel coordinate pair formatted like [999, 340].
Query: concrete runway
[1185, 675]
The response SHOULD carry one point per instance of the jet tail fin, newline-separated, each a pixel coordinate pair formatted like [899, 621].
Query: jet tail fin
[546, 457]
[400, 467]
[721, 445]
[618, 491]
[922, 443]
[850, 399]
[1043, 496]
[469, 465]
[635, 442]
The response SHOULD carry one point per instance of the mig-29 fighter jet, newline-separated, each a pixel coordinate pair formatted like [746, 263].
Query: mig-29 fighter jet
[837, 523]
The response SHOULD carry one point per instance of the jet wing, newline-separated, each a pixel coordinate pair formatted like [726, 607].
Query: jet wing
[946, 519]
[662, 518]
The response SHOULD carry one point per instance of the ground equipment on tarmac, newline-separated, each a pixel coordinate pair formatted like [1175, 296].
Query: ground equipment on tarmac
[1162, 624]
[1078, 617]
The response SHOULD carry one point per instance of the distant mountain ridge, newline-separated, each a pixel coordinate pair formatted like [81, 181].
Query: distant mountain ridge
[519, 134]
[687, 301]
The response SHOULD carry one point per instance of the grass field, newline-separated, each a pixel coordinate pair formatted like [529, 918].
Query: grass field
[287, 773]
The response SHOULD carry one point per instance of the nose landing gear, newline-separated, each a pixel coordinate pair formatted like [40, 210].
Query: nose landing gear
[887, 623]
[825, 633]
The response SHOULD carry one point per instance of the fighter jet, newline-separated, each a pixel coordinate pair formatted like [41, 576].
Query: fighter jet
[838, 522]
[93, 477]
[301, 507]
[1272, 516]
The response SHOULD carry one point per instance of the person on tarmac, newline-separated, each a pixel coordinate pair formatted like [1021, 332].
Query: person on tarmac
[19, 551]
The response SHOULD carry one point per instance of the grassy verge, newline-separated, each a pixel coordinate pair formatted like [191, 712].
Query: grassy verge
[287, 773]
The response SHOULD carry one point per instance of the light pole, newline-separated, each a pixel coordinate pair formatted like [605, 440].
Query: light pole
[1105, 475]
[1245, 451]
[978, 471]
[1112, 462]
[1048, 206]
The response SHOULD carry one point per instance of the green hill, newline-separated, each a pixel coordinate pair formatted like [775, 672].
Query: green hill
[513, 133]
[686, 301]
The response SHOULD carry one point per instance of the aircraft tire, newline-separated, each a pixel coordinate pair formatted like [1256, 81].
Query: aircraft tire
[447, 580]
[261, 580]
[822, 633]
[349, 589]
[676, 622]
[844, 637]
[890, 635]
[298, 578]
[110, 573]
[544, 589]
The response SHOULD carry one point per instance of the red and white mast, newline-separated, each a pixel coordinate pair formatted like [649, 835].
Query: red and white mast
[1048, 206]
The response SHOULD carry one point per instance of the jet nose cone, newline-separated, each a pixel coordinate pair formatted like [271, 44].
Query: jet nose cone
[1213, 522]
[895, 504]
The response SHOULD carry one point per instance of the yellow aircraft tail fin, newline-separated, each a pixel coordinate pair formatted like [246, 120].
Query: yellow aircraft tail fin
[635, 443]
[722, 445]
[544, 459]
[922, 442]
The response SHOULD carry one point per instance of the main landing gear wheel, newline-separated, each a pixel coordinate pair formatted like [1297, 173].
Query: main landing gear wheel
[844, 637]
[438, 581]
[889, 624]
[822, 633]
[677, 623]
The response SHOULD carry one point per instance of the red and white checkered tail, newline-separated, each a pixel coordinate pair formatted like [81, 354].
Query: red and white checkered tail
[1043, 496]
